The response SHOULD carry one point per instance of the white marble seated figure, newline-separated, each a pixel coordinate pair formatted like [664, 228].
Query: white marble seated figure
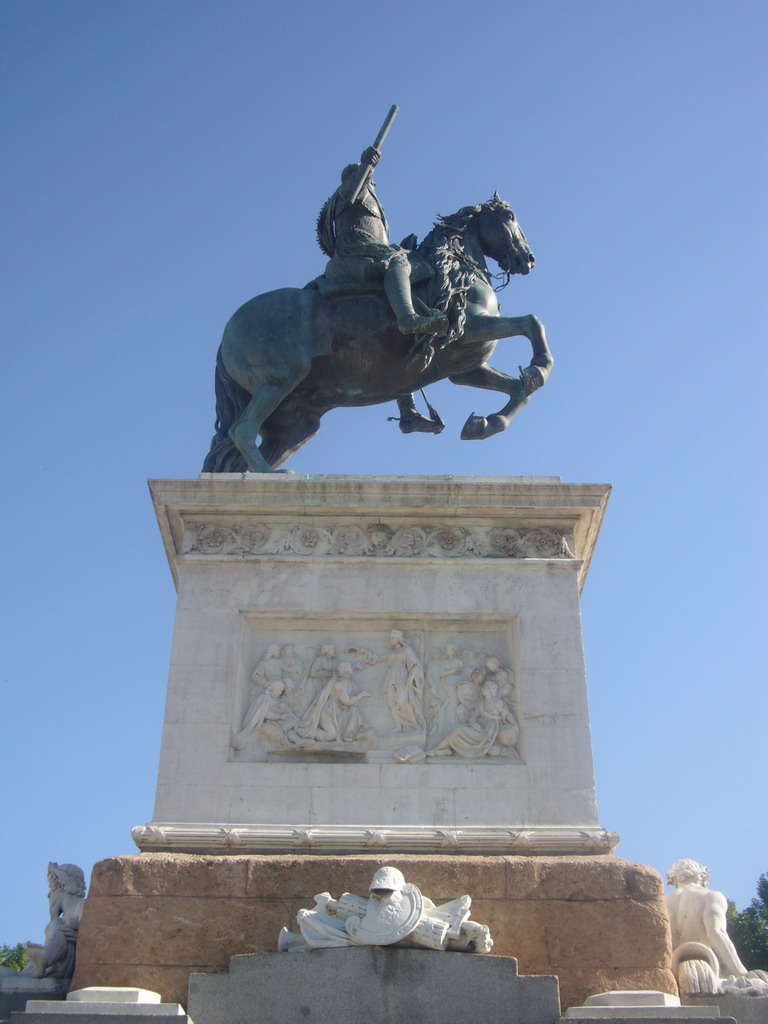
[491, 728]
[704, 959]
[395, 913]
[268, 719]
[53, 963]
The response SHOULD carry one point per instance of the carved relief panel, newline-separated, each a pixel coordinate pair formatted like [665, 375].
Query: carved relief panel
[355, 691]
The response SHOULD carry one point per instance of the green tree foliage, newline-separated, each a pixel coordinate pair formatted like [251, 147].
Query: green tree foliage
[13, 956]
[748, 929]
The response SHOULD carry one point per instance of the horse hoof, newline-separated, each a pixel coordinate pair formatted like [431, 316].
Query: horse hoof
[474, 428]
[494, 425]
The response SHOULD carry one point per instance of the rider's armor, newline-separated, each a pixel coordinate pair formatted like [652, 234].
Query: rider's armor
[356, 237]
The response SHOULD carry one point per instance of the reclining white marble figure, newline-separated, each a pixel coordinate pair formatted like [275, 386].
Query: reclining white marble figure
[52, 965]
[395, 913]
[704, 959]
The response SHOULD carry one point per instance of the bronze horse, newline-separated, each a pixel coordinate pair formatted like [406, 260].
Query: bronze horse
[289, 356]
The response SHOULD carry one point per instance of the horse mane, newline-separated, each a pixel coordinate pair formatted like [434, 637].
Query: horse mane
[453, 271]
[453, 225]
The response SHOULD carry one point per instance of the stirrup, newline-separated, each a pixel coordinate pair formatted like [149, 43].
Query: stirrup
[412, 421]
[418, 424]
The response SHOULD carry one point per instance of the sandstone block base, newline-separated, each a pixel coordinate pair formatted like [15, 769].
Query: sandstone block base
[151, 920]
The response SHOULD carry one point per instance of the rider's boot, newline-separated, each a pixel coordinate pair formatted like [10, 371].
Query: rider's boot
[397, 285]
[411, 421]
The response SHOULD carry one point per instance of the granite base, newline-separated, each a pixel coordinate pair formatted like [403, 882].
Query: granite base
[745, 1009]
[122, 1017]
[17, 1000]
[372, 985]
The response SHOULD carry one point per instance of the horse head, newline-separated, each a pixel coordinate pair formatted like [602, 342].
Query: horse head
[501, 237]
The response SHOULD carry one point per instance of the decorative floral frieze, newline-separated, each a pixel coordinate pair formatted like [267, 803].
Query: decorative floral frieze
[377, 540]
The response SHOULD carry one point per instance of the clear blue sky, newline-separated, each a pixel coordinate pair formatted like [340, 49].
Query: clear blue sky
[166, 160]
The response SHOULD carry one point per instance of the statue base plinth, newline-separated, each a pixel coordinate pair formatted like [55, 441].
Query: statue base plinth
[388, 662]
[597, 922]
[14, 999]
[373, 985]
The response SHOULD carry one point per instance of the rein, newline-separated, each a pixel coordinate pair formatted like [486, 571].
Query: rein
[503, 276]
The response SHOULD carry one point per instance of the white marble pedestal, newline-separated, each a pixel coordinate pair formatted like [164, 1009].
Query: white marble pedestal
[480, 577]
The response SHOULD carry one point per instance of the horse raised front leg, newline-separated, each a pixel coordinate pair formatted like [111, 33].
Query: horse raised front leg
[519, 389]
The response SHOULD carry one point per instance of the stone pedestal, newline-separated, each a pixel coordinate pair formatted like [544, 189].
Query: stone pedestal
[11, 1001]
[369, 671]
[372, 985]
[151, 920]
[473, 732]
[745, 1009]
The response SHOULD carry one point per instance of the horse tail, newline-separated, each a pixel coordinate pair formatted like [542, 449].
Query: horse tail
[231, 400]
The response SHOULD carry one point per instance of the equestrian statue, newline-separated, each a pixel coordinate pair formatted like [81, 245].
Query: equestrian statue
[382, 322]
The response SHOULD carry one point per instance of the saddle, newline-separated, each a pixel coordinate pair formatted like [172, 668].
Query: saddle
[339, 287]
[356, 275]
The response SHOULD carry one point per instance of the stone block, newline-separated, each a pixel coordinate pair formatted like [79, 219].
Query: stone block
[443, 878]
[372, 985]
[173, 929]
[113, 994]
[637, 1006]
[75, 1011]
[172, 982]
[633, 997]
[161, 874]
[578, 983]
[621, 933]
[578, 878]
[638, 1014]
[125, 1016]
[17, 1000]
[745, 1009]
[150, 920]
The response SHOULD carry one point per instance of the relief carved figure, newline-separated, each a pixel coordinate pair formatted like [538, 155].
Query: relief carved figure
[319, 674]
[302, 702]
[502, 678]
[444, 674]
[290, 665]
[490, 729]
[269, 719]
[395, 913]
[403, 688]
[269, 669]
[468, 694]
[333, 715]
